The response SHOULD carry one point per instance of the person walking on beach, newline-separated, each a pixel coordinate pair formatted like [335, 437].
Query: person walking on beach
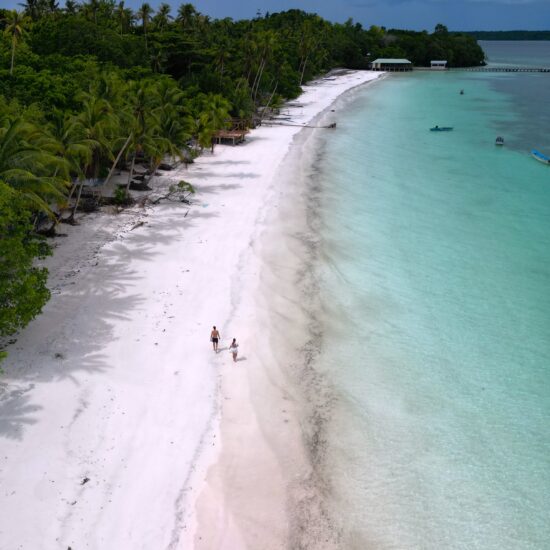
[215, 338]
[233, 348]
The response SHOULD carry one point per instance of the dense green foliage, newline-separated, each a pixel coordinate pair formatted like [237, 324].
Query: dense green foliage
[23, 289]
[510, 35]
[458, 49]
[55, 52]
[94, 86]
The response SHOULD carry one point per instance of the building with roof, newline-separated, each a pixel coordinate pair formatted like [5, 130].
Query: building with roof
[438, 64]
[387, 64]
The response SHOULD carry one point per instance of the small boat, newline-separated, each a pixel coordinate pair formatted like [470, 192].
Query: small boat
[540, 157]
[461, 92]
[441, 129]
[499, 141]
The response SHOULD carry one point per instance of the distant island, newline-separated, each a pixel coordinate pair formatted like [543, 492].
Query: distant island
[510, 35]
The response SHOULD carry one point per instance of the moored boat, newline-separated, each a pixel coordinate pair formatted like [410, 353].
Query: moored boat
[441, 129]
[540, 157]
[499, 141]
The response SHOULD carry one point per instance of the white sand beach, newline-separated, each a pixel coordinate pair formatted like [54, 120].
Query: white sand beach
[120, 428]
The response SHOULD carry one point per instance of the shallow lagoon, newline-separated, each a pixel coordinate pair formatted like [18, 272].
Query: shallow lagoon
[434, 269]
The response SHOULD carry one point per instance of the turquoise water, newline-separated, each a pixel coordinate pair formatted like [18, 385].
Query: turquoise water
[434, 280]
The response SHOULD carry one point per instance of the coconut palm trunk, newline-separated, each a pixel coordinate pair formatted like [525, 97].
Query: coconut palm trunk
[269, 101]
[257, 78]
[113, 167]
[154, 167]
[303, 69]
[13, 42]
[15, 27]
[131, 174]
[73, 189]
[77, 202]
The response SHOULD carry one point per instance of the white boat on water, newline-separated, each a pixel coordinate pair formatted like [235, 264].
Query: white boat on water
[540, 157]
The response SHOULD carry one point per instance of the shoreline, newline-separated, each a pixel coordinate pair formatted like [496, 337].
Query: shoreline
[116, 382]
[265, 486]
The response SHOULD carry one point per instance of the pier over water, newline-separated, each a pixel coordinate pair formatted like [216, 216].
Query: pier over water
[506, 69]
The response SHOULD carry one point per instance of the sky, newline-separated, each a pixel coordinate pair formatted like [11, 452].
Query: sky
[403, 14]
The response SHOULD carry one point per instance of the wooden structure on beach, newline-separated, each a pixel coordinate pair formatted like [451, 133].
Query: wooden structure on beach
[229, 136]
[438, 64]
[388, 64]
[236, 130]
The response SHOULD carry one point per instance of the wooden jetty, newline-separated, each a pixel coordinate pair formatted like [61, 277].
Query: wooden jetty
[505, 69]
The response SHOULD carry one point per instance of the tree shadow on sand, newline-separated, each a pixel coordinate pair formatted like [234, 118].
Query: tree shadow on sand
[234, 175]
[217, 189]
[227, 162]
[15, 411]
[67, 341]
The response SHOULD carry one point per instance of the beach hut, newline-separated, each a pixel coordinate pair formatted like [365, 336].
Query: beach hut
[386, 64]
[438, 65]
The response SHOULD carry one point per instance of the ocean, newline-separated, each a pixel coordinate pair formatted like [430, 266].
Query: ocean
[432, 322]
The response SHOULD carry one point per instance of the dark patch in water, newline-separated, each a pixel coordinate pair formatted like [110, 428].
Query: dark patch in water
[311, 524]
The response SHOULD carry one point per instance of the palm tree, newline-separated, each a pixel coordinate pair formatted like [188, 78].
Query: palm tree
[93, 7]
[186, 15]
[202, 22]
[267, 42]
[51, 6]
[210, 113]
[168, 94]
[15, 22]
[71, 7]
[66, 139]
[173, 131]
[157, 61]
[145, 143]
[139, 122]
[27, 167]
[110, 87]
[248, 49]
[217, 108]
[124, 17]
[172, 123]
[162, 18]
[98, 124]
[307, 45]
[144, 13]
[241, 99]
[32, 8]
[168, 137]
[221, 55]
[201, 129]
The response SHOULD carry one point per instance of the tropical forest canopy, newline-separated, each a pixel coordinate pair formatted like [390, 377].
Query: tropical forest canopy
[92, 86]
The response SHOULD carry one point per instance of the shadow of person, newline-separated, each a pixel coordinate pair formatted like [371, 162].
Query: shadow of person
[241, 359]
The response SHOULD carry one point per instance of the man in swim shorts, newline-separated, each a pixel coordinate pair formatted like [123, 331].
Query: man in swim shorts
[215, 338]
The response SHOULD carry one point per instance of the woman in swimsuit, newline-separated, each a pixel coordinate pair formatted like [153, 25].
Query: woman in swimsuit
[215, 338]
[233, 348]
